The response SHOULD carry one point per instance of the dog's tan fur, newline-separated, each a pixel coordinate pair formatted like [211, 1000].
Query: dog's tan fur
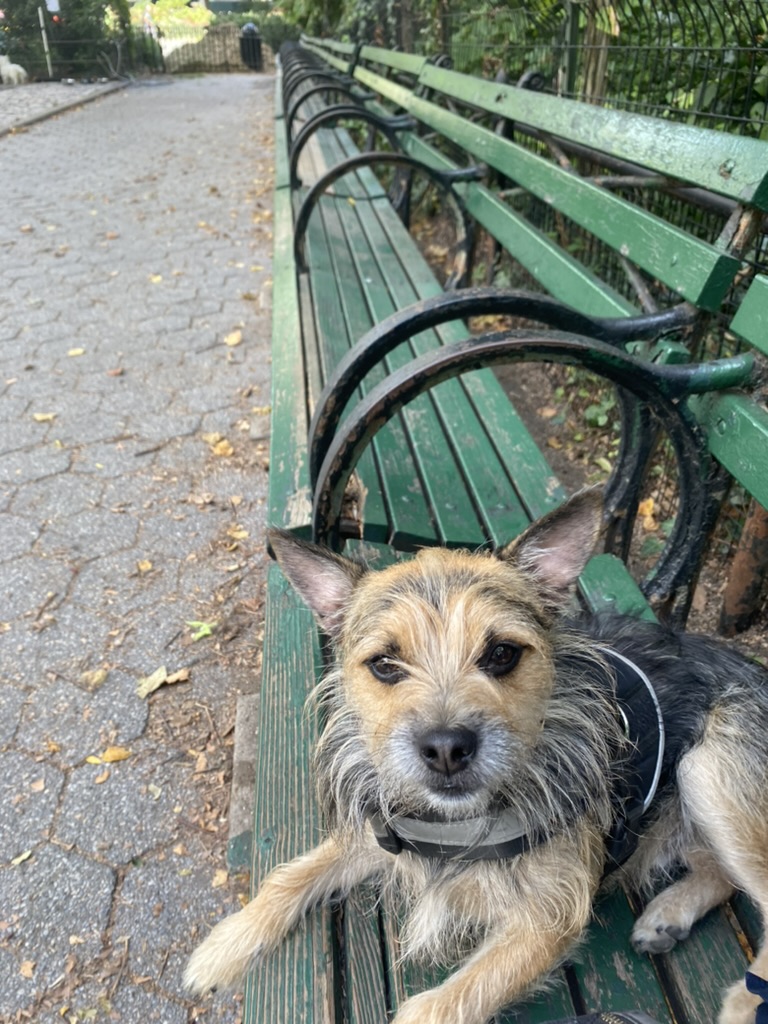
[429, 620]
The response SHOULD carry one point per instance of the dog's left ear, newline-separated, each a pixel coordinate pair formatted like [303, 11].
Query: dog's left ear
[555, 549]
[323, 579]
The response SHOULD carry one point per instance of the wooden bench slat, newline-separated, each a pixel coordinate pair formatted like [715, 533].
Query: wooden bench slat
[609, 972]
[289, 496]
[737, 430]
[694, 269]
[559, 274]
[297, 982]
[730, 165]
[751, 319]
[411, 63]
[712, 942]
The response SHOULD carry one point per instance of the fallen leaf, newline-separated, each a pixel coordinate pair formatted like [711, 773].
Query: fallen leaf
[603, 463]
[52, 747]
[43, 417]
[212, 438]
[261, 410]
[645, 508]
[236, 499]
[93, 759]
[154, 791]
[182, 676]
[117, 372]
[155, 278]
[220, 877]
[234, 338]
[237, 533]
[27, 969]
[5, 627]
[76, 352]
[21, 858]
[113, 754]
[144, 565]
[76, 940]
[201, 764]
[223, 448]
[547, 412]
[38, 786]
[202, 629]
[554, 442]
[26, 228]
[111, 235]
[94, 679]
[148, 684]
[102, 777]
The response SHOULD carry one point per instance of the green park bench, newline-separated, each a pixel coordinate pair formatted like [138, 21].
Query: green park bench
[367, 451]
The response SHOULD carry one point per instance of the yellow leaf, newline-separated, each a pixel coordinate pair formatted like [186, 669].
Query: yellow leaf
[351, 201]
[234, 338]
[93, 759]
[76, 352]
[112, 754]
[236, 499]
[237, 533]
[261, 410]
[223, 448]
[155, 278]
[144, 565]
[154, 791]
[27, 969]
[554, 442]
[43, 417]
[38, 786]
[219, 878]
[21, 858]
[182, 676]
[102, 777]
[212, 438]
[148, 684]
[93, 680]
[645, 508]
[52, 747]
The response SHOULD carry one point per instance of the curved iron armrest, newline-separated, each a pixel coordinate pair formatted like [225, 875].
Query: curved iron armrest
[353, 98]
[662, 388]
[441, 179]
[459, 305]
[388, 126]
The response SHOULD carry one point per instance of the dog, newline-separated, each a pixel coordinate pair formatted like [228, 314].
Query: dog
[490, 757]
[12, 74]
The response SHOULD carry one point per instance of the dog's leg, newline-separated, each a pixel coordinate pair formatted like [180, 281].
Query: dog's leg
[668, 918]
[240, 941]
[505, 965]
[722, 783]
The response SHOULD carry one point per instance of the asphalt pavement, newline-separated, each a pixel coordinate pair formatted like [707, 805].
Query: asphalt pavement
[135, 307]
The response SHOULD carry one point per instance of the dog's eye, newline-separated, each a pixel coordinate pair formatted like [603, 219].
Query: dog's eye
[385, 669]
[501, 658]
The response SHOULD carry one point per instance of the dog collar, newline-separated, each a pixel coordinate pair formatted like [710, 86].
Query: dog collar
[496, 837]
[502, 836]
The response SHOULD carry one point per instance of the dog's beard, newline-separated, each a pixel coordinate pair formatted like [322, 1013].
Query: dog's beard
[566, 776]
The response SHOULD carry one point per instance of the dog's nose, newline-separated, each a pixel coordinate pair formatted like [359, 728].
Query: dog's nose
[447, 751]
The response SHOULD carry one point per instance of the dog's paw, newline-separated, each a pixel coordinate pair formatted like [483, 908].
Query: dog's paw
[225, 957]
[654, 932]
[662, 926]
[739, 1006]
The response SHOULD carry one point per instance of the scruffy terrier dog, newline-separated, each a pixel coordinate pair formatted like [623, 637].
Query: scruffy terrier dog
[492, 759]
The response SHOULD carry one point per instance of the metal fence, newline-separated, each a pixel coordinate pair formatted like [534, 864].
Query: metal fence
[701, 62]
[183, 48]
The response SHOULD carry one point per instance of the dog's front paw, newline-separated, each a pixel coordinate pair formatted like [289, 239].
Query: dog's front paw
[224, 958]
[659, 930]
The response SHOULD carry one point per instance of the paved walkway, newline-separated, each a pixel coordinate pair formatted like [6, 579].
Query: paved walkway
[134, 387]
[22, 105]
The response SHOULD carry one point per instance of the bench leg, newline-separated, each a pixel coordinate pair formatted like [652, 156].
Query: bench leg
[240, 942]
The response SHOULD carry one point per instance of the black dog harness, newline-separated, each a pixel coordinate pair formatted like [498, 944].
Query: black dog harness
[502, 836]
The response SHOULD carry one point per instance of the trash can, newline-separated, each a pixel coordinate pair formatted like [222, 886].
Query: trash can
[250, 46]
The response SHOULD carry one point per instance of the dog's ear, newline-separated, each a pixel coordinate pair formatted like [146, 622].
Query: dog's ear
[555, 549]
[323, 579]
